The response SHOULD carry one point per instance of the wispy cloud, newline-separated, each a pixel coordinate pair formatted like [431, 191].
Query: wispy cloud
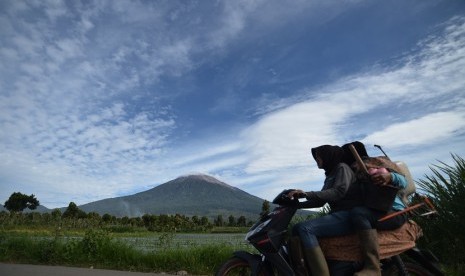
[403, 107]
[85, 107]
[70, 103]
[428, 129]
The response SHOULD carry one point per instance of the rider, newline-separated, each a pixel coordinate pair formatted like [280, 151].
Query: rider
[341, 194]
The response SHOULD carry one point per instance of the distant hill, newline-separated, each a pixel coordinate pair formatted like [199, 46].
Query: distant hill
[40, 208]
[200, 195]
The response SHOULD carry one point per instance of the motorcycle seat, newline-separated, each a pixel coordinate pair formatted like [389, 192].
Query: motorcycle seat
[391, 243]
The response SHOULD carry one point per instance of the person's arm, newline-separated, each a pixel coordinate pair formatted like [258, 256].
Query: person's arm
[398, 180]
[392, 178]
[336, 190]
[314, 203]
[305, 204]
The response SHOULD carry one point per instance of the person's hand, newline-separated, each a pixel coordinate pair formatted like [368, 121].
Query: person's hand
[296, 194]
[381, 179]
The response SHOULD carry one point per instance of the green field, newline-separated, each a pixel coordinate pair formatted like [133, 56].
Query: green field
[199, 254]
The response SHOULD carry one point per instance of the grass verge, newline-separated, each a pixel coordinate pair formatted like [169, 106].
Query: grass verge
[99, 250]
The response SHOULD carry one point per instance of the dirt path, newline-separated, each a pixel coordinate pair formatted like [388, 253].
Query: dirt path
[43, 270]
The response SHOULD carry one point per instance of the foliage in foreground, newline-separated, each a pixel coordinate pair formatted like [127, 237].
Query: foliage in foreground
[444, 233]
[97, 249]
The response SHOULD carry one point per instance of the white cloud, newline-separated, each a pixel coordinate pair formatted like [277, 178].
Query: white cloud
[425, 130]
[201, 154]
[403, 106]
[74, 155]
[284, 138]
[233, 21]
[71, 94]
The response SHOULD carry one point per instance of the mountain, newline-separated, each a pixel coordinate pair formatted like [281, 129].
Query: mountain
[200, 195]
[40, 209]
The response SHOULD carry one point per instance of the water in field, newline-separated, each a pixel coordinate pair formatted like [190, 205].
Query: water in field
[164, 241]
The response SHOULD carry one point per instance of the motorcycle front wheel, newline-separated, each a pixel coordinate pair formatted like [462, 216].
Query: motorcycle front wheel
[237, 267]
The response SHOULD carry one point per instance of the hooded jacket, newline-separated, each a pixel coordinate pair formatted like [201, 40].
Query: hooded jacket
[340, 189]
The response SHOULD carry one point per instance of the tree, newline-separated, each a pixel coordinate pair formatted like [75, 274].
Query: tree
[204, 221]
[231, 221]
[18, 202]
[73, 211]
[107, 218]
[196, 220]
[265, 208]
[56, 214]
[219, 220]
[241, 221]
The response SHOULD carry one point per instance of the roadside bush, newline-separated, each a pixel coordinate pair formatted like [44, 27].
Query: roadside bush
[94, 242]
[444, 233]
[165, 240]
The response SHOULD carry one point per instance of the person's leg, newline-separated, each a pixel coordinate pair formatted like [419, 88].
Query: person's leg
[331, 225]
[316, 261]
[363, 220]
[370, 253]
[392, 223]
[334, 224]
[296, 255]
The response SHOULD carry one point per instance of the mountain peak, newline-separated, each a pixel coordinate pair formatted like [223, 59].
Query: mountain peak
[203, 177]
[193, 194]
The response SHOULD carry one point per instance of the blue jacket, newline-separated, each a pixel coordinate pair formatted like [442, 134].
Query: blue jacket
[400, 181]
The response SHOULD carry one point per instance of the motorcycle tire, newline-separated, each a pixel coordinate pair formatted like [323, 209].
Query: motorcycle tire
[236, 267]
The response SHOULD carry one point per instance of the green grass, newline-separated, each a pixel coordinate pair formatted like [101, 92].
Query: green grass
[98, 249]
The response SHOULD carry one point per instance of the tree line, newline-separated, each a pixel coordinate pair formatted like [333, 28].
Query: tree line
[75, 218]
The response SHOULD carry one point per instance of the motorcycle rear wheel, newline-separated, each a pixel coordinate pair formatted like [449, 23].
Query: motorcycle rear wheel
[411, 269]
[236, 267]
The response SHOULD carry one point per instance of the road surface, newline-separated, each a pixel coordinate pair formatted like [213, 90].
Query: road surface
[43, 270]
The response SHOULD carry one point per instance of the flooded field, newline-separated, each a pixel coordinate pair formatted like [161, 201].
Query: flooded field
[164, 241]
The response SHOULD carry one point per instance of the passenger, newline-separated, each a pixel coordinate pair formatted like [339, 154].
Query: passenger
[341, 195]
[365, 219]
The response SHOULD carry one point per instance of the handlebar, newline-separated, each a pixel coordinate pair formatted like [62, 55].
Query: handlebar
[283, 199]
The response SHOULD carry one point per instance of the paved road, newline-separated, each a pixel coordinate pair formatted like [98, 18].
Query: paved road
[42, 270]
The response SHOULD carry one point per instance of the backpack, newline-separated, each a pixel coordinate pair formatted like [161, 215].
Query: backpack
[378, 197]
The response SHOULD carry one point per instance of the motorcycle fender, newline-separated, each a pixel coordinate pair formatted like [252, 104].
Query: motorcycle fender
[255, 261]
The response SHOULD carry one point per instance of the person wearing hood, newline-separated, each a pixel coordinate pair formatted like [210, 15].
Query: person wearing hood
[364, 220]
[341, 195]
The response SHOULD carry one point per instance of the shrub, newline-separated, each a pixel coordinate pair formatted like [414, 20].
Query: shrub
[94, 242]
[444, 233]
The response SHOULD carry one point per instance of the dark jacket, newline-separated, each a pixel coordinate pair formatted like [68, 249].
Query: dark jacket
[340, 190]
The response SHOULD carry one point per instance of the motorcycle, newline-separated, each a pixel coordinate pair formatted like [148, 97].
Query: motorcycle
[269, 236]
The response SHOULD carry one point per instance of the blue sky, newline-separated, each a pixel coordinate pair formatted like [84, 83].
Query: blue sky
[101, 99]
